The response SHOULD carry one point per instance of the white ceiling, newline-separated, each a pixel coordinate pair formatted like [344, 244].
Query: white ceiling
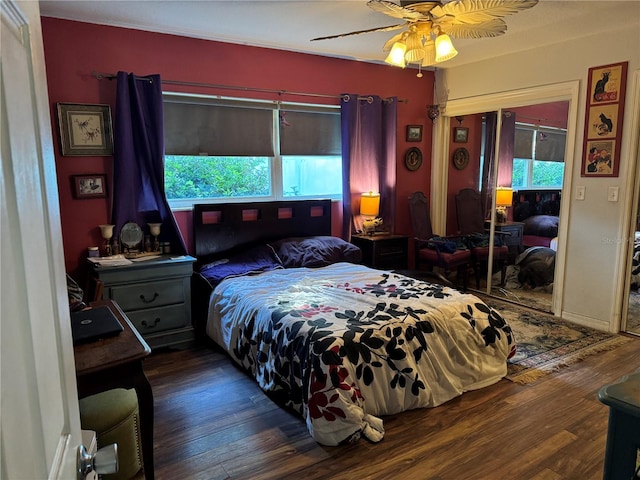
[290, 25]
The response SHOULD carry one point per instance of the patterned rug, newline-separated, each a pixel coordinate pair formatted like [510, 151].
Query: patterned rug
[633, 315]
[546, 343]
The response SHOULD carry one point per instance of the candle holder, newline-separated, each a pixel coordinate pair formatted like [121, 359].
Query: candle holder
[154, 229]
[107, 234]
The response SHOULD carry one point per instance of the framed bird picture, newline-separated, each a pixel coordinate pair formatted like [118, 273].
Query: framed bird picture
[85, 130]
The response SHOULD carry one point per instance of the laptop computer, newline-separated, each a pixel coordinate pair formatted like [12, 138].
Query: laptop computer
[94, 324]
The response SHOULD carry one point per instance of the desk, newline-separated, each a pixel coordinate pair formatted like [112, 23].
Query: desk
[116, 362]
[623, 435]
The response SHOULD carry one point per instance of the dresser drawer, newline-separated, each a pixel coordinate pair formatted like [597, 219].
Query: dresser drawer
[147, 295]
[396, 247]
[154, 320]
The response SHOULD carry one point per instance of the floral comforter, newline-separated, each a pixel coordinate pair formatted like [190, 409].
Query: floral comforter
[345, 344]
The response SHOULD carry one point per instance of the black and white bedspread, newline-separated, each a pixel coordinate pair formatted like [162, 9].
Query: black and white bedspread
[345, 344]
[635, 262]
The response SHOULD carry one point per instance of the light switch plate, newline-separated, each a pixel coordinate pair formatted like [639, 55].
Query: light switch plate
[580, 192]
[613, 194]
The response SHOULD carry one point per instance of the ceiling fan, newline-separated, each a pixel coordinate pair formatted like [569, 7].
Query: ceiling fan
[429, 25]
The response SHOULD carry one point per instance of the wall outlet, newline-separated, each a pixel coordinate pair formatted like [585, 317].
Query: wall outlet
[613, 194]
[580, 192]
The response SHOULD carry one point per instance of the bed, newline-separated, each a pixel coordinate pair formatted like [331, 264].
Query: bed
[539, 211]
[339, 343]
[635, 262]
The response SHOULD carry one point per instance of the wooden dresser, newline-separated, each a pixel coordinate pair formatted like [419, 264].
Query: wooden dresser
[156, 296]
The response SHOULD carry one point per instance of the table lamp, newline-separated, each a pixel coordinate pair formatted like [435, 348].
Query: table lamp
[369, 208]
[154, 229]
[504, 199]
[107, 233]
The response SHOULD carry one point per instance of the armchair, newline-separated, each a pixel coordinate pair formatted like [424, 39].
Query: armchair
[471, 221]
[431, 251]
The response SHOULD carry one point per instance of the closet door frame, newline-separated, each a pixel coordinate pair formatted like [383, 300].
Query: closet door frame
[631, 210]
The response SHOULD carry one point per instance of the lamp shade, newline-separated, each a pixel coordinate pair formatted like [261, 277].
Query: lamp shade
[370, 204]
[429, 54]
[444, 48]
[415, 50]
[504, 196]
[396, 55]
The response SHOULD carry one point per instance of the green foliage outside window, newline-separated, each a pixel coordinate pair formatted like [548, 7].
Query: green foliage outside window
[537, 174]
[216, 177]
[547, 174]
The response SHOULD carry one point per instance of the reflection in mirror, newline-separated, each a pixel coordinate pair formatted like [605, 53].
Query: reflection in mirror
[633, 309]
[531, 164]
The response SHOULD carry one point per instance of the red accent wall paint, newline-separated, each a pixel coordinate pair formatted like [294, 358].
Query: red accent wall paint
[73, 50]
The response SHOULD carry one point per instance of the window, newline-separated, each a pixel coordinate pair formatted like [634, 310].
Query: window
[538, 157]
[218, 149]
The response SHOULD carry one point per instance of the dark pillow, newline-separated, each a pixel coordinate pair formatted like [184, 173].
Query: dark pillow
[541, 226]
[317, 251]
[255, 260]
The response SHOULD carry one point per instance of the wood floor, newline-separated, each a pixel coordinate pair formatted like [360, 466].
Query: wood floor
[213, 422]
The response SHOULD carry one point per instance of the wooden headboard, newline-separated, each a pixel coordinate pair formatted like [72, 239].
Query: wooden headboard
[224, 227]
[527, 203]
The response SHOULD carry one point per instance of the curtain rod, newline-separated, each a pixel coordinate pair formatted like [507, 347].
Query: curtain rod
[111, 76]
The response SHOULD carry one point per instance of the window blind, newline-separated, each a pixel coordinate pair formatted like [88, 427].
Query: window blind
[539, 144]
[310, 132]
[218, 128]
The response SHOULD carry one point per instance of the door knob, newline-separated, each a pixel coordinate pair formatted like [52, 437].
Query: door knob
[104, 461]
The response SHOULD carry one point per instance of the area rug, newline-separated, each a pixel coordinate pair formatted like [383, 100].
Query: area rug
[546, 343]
[633, 315]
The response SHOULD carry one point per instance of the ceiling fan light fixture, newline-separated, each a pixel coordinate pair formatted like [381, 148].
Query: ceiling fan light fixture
[415, 50]
[444, 48]
[429, 57]
[396, 55]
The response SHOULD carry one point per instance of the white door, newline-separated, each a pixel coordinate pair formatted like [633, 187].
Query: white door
[40, 428]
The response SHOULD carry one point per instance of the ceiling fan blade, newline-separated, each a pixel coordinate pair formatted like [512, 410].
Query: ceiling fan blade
[492, 28]
[370, 30]
[395, 10]
[479, 11]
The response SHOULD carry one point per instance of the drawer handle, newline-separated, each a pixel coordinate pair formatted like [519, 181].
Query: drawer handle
[155, 322]
[143, 298]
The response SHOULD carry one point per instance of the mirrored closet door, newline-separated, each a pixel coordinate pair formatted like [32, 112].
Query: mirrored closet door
[515, 172]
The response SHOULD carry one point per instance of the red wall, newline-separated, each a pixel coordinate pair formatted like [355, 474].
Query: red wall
[467, 177]
[73, 50]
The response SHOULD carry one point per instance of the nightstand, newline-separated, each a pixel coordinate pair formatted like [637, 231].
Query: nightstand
[514, 238]
[156, 296]
[386, 252]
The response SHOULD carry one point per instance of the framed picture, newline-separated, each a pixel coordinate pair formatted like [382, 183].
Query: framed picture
[603, 120]
[460, 134]
[90, 185]
[414, 133]
[85, 130]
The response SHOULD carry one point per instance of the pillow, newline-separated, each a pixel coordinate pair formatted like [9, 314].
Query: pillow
[318, 251]
[255, 260]
[541, 225]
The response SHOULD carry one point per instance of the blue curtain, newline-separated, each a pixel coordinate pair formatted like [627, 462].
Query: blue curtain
[369, 125]
[138, 166]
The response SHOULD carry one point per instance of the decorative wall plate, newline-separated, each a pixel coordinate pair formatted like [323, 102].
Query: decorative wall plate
[461, 158]
[413, 158]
